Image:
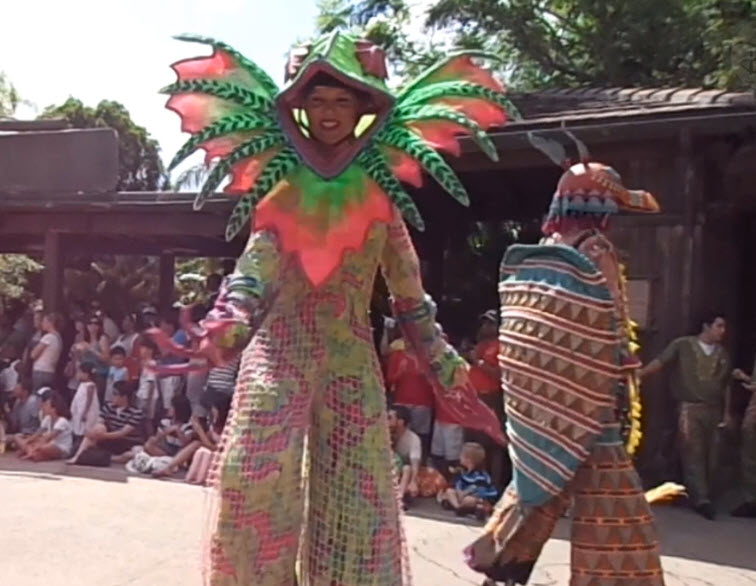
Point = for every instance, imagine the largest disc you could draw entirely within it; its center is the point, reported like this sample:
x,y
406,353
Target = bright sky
x,y
94,50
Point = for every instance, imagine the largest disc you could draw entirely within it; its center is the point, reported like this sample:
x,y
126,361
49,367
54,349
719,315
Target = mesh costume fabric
x,y
310,383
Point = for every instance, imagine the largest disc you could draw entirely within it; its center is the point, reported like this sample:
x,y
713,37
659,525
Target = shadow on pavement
x,y
11,466
684,534
727,541
428,508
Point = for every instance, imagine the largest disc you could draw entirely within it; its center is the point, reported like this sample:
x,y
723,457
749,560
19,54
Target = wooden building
x,y
58,200
696,151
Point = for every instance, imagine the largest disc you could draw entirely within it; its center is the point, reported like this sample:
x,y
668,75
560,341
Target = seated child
x,y
23,417
174,433
148,391
473,490
54,439
200,451
85,407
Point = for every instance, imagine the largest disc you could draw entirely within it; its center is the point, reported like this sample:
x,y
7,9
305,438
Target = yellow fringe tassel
x,y
633,382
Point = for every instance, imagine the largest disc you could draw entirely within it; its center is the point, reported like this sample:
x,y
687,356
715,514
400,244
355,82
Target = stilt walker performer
x,y
317,169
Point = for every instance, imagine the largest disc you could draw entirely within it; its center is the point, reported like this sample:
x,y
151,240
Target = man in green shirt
x,y
748,448
701,377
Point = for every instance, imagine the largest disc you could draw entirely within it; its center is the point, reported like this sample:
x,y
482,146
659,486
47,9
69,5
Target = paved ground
x,y
75,526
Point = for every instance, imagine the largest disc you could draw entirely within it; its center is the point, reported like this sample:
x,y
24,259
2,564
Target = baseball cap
x,y
44,393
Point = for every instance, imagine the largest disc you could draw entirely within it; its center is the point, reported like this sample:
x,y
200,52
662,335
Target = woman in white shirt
x,y
85,407
46,353
148,392
54,439
96,349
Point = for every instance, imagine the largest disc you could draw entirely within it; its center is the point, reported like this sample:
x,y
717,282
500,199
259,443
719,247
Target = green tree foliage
x,y
191,274
608,42
566,43
119,283
141,168
333,15
9,98
123,283
390,24
15,270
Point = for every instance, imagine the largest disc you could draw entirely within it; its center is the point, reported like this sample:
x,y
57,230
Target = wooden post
x,y
52,278
167,275
691,185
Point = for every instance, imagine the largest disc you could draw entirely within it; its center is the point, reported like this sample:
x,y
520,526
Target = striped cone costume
x,y
567,371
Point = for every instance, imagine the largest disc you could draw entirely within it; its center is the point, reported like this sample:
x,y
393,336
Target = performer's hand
x,y
208,350
740,375
206,347
749,386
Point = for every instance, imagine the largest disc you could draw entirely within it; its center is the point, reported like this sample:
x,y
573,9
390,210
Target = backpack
x,y
94,456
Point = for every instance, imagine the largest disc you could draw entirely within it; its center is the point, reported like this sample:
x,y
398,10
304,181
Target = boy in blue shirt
x,y
473,490
117,371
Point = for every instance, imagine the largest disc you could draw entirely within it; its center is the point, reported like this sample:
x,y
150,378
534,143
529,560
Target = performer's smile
x,y
332,112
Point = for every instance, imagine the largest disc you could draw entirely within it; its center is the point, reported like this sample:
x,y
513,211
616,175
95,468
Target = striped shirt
x,y
186,430
223,378
116,419
477,483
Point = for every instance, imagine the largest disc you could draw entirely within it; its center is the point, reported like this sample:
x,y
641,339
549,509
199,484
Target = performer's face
x,y
333,113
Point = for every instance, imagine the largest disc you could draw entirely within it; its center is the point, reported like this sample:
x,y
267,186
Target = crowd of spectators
x,y
86,388
434,455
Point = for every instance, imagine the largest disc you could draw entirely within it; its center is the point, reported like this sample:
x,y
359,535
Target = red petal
x,y
485,113
220,65
441,135
198,110
320,250
245,173
216,65
404,167
463,69
223,145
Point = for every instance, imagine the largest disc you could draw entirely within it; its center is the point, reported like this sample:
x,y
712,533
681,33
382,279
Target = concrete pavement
x,y
62,526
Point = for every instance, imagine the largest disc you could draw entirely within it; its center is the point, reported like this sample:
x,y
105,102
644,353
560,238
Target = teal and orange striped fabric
x,y
560,364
